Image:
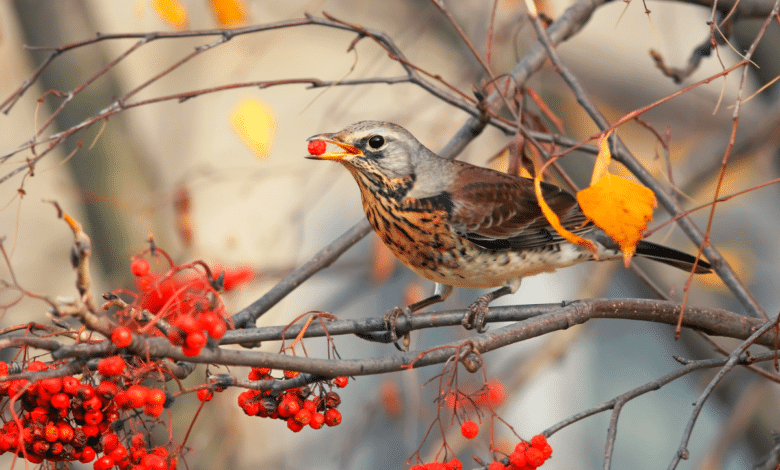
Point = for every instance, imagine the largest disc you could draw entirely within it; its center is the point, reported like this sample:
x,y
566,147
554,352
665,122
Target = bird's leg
x,y
440,293
475,316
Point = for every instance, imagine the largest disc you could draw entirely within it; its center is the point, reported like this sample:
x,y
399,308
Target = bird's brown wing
x,y
498,210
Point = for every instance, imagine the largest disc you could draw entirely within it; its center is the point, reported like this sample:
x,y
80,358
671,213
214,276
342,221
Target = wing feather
x,y
500,211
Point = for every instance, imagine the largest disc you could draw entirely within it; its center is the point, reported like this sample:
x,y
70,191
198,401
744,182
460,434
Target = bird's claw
x,y
391,320
475,317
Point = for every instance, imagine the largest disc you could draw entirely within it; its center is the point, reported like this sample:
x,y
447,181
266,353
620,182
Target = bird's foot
x,y
475,316
391,320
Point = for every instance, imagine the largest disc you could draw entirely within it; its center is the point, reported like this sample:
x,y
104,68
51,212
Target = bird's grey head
x,y
380,154
374,146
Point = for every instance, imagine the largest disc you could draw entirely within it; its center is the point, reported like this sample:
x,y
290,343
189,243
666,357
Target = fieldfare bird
x,y
466,226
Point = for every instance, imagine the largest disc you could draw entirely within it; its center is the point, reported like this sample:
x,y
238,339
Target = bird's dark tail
x,y
672,257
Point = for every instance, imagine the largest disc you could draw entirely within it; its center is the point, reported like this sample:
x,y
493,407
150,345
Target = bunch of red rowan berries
x,y
62,419
298,406
527,455
187,299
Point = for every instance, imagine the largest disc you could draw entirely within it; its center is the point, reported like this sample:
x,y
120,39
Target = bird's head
x,y
375,152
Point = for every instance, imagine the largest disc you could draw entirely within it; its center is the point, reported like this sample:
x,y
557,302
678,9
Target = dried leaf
x,y
620,207
552,217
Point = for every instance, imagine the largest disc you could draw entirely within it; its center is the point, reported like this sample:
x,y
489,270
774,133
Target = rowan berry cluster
x,y
527,456
298,406
62,419
186,299
453,464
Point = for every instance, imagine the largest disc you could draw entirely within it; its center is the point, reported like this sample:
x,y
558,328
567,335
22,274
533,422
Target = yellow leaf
x,y
603,159
229,12
620,207
171,11
552,217
254,122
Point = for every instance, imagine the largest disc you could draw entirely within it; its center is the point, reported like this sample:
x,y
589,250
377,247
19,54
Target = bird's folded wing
x,y
497,210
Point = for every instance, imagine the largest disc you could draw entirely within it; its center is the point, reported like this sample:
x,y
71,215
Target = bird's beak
x,y
334,156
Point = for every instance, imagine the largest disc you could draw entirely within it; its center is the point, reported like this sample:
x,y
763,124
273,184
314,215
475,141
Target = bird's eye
x,y
376,141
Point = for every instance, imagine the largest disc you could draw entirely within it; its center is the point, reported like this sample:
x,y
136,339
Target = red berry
x,y
317,147
205,394
140,267
252,408
317,420
156,397
110,442
103,463
469,429
90,430
154,462
64,432
288,407
51,386
121,337
310,405
496,466
93,403
111,366
455,464
137,395
70,385
87,455
496,392
37,366
303,416
534,456
518,459
107,389
538,441
294,426
187,323
93,417
51,432
332,417
118,454
291,374
122,400
153,410
86,392
341,382
237,276
60,401
196,340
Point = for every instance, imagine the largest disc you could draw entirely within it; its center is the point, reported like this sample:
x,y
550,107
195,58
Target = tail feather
x,y
672,257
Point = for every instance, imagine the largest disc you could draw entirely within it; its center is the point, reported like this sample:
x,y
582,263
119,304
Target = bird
x,y
461,225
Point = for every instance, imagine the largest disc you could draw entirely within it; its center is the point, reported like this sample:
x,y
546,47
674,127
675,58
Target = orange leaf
x,y
620,207
603,159
229,12
552,217
172,12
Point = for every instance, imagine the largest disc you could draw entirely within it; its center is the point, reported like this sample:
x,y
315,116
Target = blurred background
x,y
221,177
